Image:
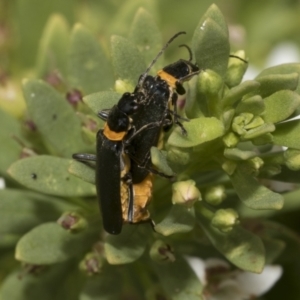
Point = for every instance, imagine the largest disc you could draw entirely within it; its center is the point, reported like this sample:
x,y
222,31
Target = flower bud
x,y
236,69
240,121
161,252
225,219
292,159
185,192
215,195
256,162
72,221
91,264
210,82
229,166
230,140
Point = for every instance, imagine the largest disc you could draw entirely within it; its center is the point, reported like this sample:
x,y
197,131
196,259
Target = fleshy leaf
x,y
252,193
102,286
127,246
258,131
238,154
159,160
89,68
199,131
102,100
241,247
30,286
254,105
273,248
52,54
128,62
210,41
146,35
288,68
49,174
282,233
179,280
54,118
22,210
235,94
287,134
49,243
215,14
10,150
179,220
82,171
270,84
280,105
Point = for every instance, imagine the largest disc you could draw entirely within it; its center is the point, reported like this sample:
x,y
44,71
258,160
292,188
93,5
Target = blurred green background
x,y
257,26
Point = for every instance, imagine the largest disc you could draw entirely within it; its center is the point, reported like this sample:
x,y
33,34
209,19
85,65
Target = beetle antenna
x,y
245,61
189,50
158,55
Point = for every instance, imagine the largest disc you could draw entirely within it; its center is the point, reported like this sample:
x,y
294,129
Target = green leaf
x,y
254,105
280,105
82,171
210,42
273,248
215,14
22,210
17,286
89,68
252,193
28,35
103,286
291,203
49,174
10,150
179,220
235,94
283,69
238,154
146,35
159,161
199,131
178,280
54,117
270,84
284,234
128,62
241,247
49,243
287,134
127,246
52,54
258,131
101,100
126,12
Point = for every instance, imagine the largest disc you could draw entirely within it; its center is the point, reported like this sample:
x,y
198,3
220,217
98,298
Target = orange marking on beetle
x,y
112,135
142,194
171,80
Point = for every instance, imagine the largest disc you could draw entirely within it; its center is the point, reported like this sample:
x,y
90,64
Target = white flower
x,y
222,283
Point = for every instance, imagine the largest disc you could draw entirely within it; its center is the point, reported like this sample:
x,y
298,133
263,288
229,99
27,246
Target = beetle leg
x,y
135,133
86,158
